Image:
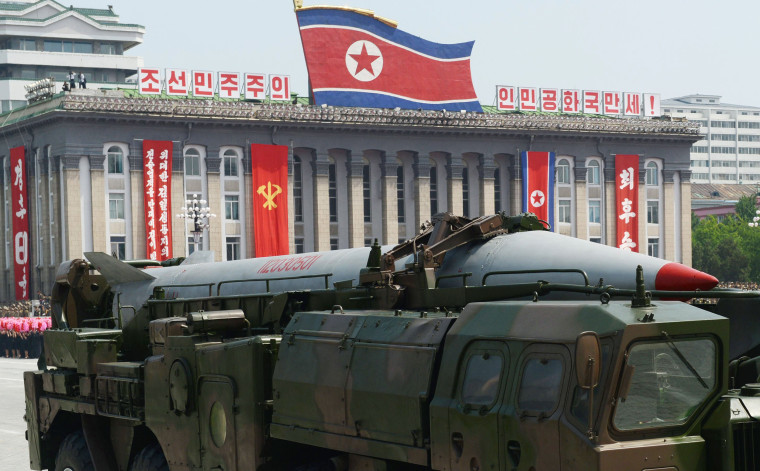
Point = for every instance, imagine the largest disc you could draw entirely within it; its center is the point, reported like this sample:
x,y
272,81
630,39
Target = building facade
x,y
729,153
355,174
42,39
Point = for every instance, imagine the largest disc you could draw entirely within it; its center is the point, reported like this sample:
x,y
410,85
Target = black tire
x,y
73,454
150,458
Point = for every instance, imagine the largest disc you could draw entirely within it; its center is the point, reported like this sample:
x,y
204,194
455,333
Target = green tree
x,y
726,249
745,208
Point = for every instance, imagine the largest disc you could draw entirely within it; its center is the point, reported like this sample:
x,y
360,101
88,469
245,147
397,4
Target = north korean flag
x,y
538,185
357,59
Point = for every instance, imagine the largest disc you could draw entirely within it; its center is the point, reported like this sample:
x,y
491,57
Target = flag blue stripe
x,y
357,20
378,100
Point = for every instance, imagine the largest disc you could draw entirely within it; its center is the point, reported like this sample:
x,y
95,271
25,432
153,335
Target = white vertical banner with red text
x,y
627,201
20,220
157,183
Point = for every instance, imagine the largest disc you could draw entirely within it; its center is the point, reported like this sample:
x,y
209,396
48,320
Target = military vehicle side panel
x,y
366,378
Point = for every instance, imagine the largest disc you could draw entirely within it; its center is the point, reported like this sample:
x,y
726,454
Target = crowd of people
x,y
21,326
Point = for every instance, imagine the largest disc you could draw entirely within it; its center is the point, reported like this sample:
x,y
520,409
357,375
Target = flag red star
x,y
364,60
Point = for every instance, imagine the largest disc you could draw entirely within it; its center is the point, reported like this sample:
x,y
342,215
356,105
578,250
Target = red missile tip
x,y
676,277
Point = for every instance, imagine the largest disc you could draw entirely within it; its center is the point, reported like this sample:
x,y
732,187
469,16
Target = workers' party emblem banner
x,y
157,184
627,201
20,219
357,59
270,199
538,185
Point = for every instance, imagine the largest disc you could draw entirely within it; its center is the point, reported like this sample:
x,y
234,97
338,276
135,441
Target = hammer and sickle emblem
x,y
267,192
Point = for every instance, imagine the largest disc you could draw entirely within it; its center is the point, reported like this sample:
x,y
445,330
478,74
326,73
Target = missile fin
x,y
199,256
114,270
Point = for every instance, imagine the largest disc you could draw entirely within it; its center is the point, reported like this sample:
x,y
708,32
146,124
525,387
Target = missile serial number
x,y
289,264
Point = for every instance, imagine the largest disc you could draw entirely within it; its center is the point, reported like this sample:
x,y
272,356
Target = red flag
x,y
627,200
157,187
270,199
20,219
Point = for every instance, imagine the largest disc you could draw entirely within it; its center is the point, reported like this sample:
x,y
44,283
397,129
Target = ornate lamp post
x,y
755,219
199,214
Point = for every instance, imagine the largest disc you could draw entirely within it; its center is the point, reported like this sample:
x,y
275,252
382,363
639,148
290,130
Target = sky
x,y
669,47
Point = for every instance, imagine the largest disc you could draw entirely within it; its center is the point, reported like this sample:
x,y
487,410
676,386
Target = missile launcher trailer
x,y
393,372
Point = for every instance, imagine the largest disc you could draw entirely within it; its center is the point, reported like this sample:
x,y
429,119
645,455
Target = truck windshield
x,y
671,378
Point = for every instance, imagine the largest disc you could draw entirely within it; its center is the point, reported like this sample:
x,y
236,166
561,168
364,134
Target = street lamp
x,y
198,213
755,219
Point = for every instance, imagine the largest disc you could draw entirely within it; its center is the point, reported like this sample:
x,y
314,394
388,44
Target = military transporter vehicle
x,y
396,373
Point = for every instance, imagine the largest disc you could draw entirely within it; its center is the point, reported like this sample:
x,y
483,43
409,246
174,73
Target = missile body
x,y
534,250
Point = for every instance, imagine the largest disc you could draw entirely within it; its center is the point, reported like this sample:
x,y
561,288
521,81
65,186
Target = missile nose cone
x,y
676,277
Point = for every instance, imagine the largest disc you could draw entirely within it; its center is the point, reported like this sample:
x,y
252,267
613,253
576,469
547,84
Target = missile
x,y
520,257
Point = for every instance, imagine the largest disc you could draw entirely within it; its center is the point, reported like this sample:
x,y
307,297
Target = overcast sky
x,y
669,47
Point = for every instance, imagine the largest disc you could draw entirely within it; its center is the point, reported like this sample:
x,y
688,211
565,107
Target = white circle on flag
x,y
537,198
364,61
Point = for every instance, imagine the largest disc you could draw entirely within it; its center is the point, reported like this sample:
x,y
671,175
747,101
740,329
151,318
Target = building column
x,y
98,205
320,178
216,241
388,167
72,212
685,189
355,182
668,218
291,202
641,213
610,206
581,201
454,168
137,197
515,184
178,225
486,170
421,168
43,191
4,272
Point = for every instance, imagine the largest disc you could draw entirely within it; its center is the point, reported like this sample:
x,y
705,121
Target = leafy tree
x,y
745,208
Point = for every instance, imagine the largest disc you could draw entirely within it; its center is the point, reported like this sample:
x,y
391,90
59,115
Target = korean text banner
x,y
20,219
270,199
355,59
157,184
627,201
538,185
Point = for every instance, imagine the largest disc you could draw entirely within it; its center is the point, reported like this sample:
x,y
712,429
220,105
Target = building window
x,y
332,191
563,172
115,160
368,241
230,163
722,150
192,162
652,178
465,192
231,208
564,210
297,189
106,48
497,190
653,247
699,149
592,172
298,242
433,189
233,248
119,247
192,246
116,205
596,240
594,211
333,243
653,212
400,192
366,193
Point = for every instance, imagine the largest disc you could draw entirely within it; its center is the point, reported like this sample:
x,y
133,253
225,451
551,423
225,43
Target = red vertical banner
x,y
270,199
627,201
538,185
20,223
157,184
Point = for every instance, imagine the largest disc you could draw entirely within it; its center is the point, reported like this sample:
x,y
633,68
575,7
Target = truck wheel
x,y
150,458
73,454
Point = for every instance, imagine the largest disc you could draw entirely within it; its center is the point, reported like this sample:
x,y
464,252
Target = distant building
x,y
40,39
730,150
719,200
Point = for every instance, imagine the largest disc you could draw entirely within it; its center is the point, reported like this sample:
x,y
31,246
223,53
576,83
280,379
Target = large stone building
x,y
355,174
41,39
